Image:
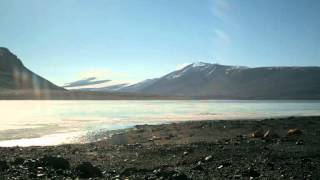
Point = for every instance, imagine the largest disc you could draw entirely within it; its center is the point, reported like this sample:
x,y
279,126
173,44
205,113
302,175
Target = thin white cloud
x,y
222,43
222,37
221,9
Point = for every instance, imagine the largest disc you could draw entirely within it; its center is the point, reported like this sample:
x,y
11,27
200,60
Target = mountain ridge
x,y
198,80
205,80
15,76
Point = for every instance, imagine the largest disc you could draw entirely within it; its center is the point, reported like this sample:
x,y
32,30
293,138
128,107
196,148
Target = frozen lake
x,y
26,123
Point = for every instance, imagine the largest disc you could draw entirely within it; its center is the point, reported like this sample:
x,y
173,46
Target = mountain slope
x,y
138,86
204,80
15,76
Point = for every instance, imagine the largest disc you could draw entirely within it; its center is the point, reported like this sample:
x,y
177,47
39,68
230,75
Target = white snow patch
x,y
236,68
212,70
199,64
174,76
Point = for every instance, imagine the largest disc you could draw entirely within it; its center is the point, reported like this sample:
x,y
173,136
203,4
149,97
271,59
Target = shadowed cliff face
x,y
8,61
15,76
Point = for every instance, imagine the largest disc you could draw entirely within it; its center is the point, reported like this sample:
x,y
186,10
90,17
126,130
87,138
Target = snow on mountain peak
x,y
180,72
199,64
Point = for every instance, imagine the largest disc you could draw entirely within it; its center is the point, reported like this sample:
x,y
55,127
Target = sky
x,y
133,40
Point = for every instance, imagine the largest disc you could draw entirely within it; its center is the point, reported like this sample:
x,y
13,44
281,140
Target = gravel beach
x,y
281,148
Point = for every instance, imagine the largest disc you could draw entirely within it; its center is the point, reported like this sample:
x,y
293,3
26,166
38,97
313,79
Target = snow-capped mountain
x,y
204,69
205,80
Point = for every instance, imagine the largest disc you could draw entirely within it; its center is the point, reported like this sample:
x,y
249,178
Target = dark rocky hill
x,y
207,81
15,76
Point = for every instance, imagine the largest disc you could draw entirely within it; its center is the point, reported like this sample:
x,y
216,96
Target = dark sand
x,y
190,150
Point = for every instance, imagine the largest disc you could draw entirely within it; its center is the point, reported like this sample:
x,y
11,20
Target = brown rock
x,y
257,134
295,131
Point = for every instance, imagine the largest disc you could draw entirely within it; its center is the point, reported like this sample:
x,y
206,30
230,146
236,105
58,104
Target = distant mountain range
x,y
197,81
214,81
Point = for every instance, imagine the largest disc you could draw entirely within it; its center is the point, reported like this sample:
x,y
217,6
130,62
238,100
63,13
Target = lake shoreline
x,y
224,149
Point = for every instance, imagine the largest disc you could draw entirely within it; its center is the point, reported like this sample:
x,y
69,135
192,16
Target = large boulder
x,y
87,170
55,162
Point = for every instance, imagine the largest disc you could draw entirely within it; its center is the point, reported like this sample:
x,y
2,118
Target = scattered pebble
x,y
251,172
299,142
208,158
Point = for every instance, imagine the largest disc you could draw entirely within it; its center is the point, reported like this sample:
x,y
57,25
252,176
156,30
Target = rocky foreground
x,y
284,148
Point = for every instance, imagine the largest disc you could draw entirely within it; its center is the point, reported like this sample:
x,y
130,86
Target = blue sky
x,y
131,40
